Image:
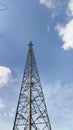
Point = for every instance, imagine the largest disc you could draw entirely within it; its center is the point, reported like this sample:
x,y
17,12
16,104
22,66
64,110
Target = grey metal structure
x,y
31,113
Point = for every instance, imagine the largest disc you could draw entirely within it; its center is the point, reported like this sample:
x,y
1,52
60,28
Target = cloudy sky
x,y
49,24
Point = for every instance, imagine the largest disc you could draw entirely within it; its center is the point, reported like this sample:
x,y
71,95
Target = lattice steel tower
x,y
31,113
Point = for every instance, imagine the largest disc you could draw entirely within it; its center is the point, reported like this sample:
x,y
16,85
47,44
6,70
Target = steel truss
x,y
31,113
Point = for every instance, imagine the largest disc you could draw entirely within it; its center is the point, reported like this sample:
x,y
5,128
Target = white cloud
x,y
52,6
66,34
9,114
59,100
70,8
48,3
5,73
55,6
1,104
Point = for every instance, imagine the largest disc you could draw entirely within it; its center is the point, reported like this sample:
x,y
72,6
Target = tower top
x,y
30,44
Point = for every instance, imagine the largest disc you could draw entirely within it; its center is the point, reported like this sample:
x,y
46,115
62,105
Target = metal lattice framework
x,y
31,113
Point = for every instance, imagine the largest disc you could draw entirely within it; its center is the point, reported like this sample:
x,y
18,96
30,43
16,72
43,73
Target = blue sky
x,y
49,24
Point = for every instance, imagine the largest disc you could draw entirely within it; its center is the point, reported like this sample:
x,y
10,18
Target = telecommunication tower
x,y
31,112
